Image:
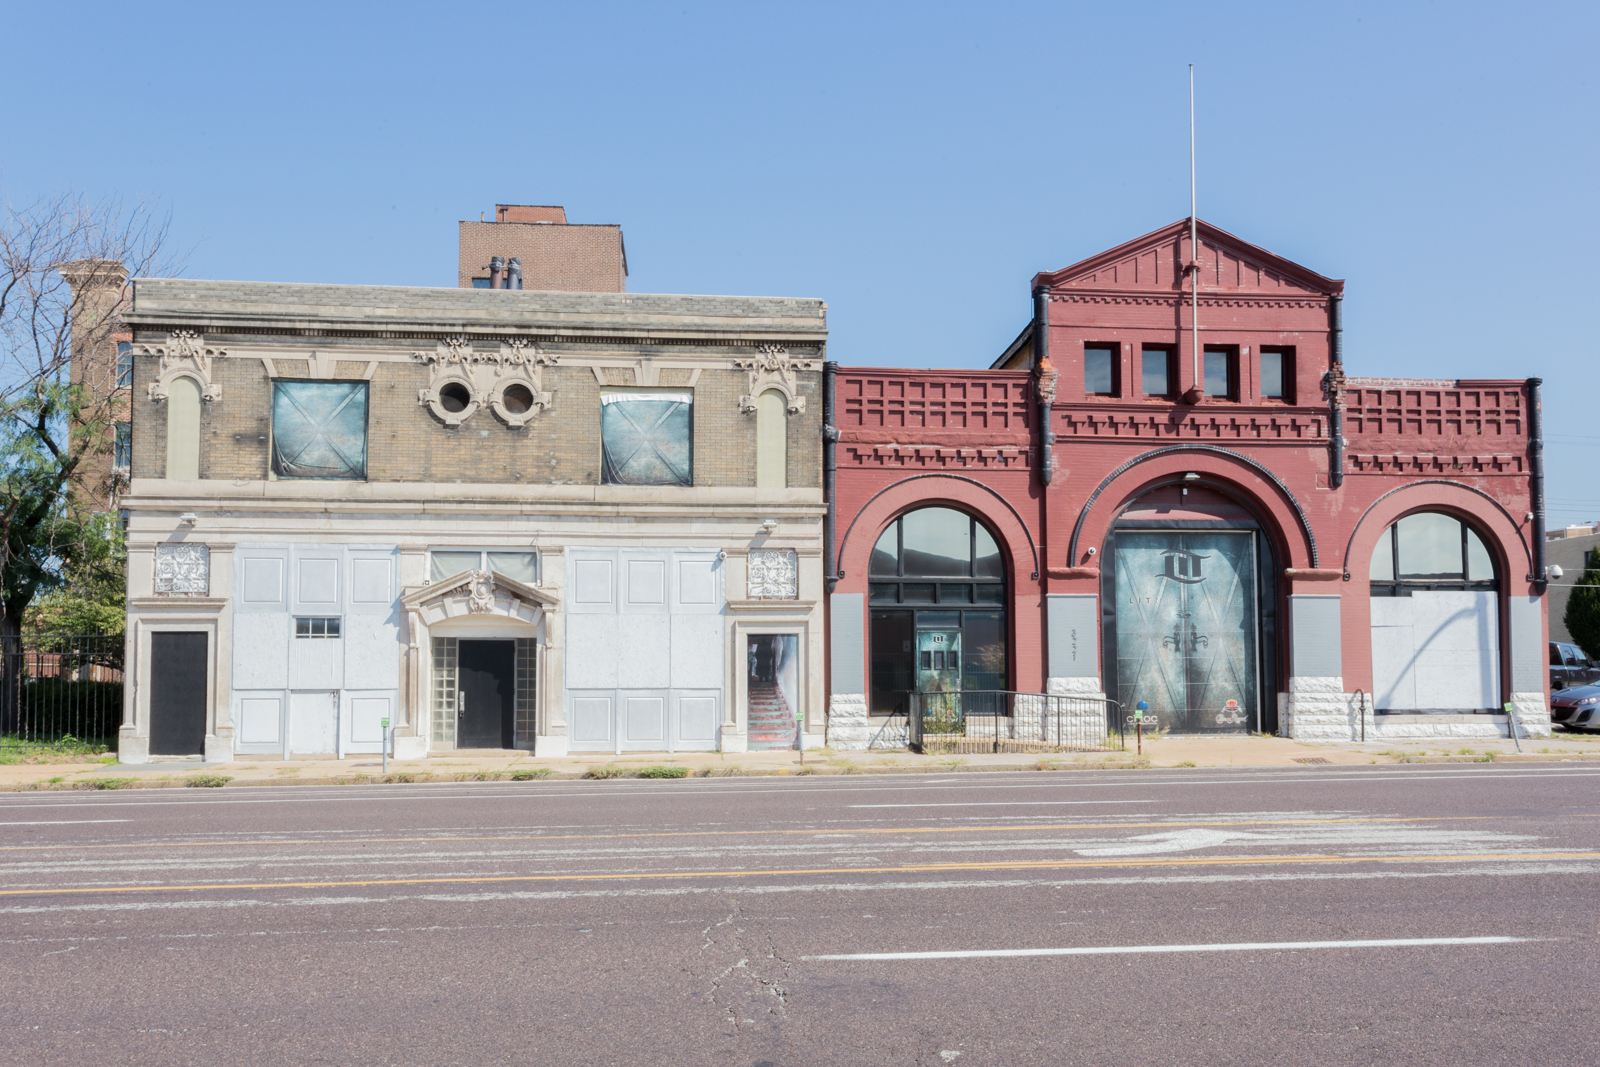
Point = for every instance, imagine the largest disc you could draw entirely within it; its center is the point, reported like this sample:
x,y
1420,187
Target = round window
x,y
454,398
518,399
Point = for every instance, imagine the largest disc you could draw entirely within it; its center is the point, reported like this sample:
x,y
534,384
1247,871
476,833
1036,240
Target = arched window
x,y
772,441
937,593
183,429
1435,618
1430,551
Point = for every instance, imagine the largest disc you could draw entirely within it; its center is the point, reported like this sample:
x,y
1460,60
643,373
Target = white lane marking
x,y
1168,841
998,803
1121,950
61,822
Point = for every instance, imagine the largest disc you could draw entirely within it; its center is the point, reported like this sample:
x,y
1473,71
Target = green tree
x,y
1583,606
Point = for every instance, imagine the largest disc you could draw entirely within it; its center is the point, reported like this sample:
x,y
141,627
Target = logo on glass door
x,y
1183,566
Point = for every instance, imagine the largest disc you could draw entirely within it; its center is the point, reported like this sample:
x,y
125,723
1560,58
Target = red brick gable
x,y
1155,262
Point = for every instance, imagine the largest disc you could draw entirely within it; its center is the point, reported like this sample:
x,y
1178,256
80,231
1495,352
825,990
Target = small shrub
x,y
478,776
664,772
604,771
108,783
207,781
806,770
1187,763
398,779
528,774
1487,757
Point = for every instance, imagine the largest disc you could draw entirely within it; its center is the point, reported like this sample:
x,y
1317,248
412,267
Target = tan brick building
x,y
544,249
545,520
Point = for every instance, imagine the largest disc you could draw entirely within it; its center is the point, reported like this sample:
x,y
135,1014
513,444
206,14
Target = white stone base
x,y
410,748
219,747
545,747
850,728
1533,714
132,749
735,743
810,741
1318,709
1080,722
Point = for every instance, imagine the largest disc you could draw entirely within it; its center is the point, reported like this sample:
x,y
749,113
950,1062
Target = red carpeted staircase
x,y
772,723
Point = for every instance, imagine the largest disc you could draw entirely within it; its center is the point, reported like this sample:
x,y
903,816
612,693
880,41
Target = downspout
x,y
830,438
1045,380
1536,494
1336,390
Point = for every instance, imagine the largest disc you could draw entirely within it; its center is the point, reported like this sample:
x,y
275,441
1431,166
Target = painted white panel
x,y
1463,621
366,720
647,584
370,581
589,718
1394,679
697,720
644,643
697,582
593,584
319,581
261,648
314,663
644,718
261,721
313,723
263,581
697,642
1436,651
592,651
371,650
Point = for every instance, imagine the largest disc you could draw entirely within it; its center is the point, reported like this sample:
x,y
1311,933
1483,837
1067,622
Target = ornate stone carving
x,y
183,570
776,369
508,380
184,356
480,595
773,574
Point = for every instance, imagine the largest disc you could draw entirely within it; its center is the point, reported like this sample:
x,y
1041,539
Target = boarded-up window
x,y
646,437
319,429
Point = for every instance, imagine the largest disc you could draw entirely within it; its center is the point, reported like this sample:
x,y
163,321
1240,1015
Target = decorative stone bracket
x,y
509,380
479,593
184,356
776,369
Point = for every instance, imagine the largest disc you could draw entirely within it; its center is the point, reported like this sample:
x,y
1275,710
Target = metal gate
x,y
996,720
55,686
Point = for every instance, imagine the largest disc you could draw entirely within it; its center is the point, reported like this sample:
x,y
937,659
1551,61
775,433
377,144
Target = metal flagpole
x,y
1194,250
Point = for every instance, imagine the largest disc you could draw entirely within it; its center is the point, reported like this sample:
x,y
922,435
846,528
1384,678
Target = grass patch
x,y
606,770
530,774
69,749
207,781
663,772
1487,757
398,778
478,776
1188,762
806,770
108,783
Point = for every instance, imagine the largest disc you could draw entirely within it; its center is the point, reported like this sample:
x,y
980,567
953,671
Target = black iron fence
x,y
56,686
999,720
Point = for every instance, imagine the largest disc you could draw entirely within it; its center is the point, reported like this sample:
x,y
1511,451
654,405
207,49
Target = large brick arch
x,y
1234,473
939,490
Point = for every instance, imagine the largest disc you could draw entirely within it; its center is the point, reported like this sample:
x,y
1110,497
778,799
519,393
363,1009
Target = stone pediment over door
x,y
1155,264
479,593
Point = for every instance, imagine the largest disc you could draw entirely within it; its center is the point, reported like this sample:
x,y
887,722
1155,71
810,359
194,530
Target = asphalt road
x,y
1145,918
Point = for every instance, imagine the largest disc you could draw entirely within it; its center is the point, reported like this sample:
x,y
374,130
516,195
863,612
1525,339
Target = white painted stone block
x,y
849,726
415,748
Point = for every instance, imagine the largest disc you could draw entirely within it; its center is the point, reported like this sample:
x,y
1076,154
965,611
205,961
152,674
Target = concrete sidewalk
x,y
1160,752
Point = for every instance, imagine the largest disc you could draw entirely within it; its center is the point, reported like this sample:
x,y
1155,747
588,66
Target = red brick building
x,y
1192,529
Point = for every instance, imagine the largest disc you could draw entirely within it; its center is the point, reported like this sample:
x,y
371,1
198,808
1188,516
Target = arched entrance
x,y
937,603
1189,609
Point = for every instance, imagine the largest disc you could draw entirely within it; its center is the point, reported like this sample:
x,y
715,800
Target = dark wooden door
x,y
177,693
488,673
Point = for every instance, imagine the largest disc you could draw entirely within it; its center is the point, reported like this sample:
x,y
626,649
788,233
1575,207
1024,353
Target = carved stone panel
x,y
509,381
776,369
773,574
184,356
183,570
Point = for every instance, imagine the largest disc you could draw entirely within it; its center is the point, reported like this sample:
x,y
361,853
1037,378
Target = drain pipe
x,y
830,438
1336,389
1046,385
1536,495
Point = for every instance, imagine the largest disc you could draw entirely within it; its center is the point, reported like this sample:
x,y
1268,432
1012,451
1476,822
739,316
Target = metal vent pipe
x,y
514,273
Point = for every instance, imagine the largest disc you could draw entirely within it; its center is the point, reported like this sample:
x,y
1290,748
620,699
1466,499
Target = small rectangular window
x,y
518,566
646,437
480,283
1100,370
1155,371
1277,373
319,429
1220,376
316,626
448,562
122,446
124,364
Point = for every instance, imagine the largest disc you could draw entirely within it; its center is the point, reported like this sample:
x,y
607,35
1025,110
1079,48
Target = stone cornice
x,y
1175,298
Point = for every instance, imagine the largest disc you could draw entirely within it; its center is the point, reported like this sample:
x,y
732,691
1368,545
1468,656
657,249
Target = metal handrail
x,y
962,709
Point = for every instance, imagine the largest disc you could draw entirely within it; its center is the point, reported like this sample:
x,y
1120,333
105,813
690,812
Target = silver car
x,y
1576,707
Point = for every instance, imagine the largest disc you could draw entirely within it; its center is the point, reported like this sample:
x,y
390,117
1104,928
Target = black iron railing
x,y
59,686
972,719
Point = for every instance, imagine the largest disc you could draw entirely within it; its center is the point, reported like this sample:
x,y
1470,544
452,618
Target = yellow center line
x,y
754,833
927,868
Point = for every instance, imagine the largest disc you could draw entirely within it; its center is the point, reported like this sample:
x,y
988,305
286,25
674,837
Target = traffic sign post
x,y
1511,724
385,724
1141,718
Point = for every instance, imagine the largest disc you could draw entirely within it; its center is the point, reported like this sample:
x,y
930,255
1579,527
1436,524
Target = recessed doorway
x,y
486,694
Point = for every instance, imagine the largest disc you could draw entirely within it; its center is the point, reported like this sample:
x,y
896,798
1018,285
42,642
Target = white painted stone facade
x,y
1319,710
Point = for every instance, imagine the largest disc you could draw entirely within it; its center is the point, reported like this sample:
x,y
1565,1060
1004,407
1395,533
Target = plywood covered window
x,y
319,429
772,441
646,437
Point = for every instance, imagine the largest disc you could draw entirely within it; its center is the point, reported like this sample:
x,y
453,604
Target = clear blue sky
x,y
913,165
